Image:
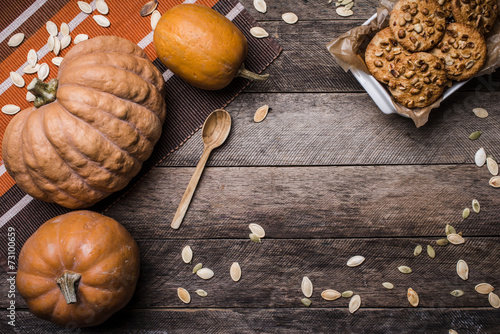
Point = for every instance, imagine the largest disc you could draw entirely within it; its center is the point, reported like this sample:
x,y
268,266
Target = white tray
x,y
380,95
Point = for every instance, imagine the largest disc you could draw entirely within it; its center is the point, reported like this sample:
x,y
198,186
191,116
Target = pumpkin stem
x,y
244,73
68,285
45,92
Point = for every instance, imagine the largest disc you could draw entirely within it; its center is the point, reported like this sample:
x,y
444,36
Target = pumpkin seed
x,y
16,39
258,32
475,135
57,61
257,230
261,114
417,250
57,46
85,7
235,271
32,58
148,8
65,41
412,297
462,270
457,293
354,303
492,166
452,331
344,12
449,229
51,28
10,109
388,285
347,294
102,7
480,112
101,20
30,97
205,273
79,38
260,6
64,29
442,242
201,293
495,181
494,300
355,261
31,70
50,43
187,254
307,286
405,269
254,238
184,295
465,213
455,239
349,5
155,17
475,206
484,288
17,79
480,157
306,301
331,294
431,252
197,267
290,18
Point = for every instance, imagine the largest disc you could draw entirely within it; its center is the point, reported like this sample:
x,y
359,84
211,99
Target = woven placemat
x,y
187,107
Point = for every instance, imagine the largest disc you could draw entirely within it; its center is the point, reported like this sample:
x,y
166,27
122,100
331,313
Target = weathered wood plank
x,y
319,320
347,129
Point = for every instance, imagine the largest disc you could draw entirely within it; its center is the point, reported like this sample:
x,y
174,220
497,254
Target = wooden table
x,y
328,176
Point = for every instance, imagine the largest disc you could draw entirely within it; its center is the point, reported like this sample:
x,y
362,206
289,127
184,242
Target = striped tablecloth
x,y
187,107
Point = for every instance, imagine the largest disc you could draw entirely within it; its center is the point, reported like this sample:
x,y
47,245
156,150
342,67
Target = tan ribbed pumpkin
x,y
98,122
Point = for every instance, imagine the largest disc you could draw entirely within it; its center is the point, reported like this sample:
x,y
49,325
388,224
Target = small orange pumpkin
x,y
202,47
78,269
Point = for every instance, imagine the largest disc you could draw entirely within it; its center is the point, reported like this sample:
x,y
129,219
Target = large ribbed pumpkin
x,y
93,138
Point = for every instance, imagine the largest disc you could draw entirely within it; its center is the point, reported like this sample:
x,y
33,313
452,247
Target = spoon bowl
x,y
216,128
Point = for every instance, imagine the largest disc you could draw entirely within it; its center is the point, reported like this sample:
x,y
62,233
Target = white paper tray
x,y
379,94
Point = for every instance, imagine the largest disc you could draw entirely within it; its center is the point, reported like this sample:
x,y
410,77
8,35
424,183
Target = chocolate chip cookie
x,y
418,25
480,14
463,51
446,6
382,54
418,80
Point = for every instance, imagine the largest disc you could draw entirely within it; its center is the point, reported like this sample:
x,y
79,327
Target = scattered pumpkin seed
x,y
51,28
307,286
449,229
290,18
405,269
79,38
148,7
32,58
84,7
457,293
257,230
347,294
155,17
57,61
331,294
261,114
235,271
355,261
452,331
10,109
102,21
442,242
492,166
184,295
50,43
30,97
187,254
484,288
306,301
480,112
388,285
354,303
480,157
475,206
64,29
455,239
475,135
201,293
102,7
31,70
344,12
65,41
205,273
43,71
465,213
17,79
463,270
412,297
431,252
197,267
254,238
259,32
494,300
349,5
260,6
16,40
495,182
417,250
57,46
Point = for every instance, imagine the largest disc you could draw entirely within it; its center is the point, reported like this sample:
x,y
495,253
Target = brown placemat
x,y
187,107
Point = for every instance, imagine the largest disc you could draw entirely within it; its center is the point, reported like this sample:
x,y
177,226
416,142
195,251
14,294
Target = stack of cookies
x,y
427,44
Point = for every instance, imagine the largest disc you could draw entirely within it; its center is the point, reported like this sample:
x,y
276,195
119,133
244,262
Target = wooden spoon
x,y
215,131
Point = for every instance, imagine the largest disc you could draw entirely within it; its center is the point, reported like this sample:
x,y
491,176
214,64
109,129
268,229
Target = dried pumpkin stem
x,y
244,73
68,285
45,92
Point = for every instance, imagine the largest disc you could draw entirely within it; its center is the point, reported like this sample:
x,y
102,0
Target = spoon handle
x,y
188,194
